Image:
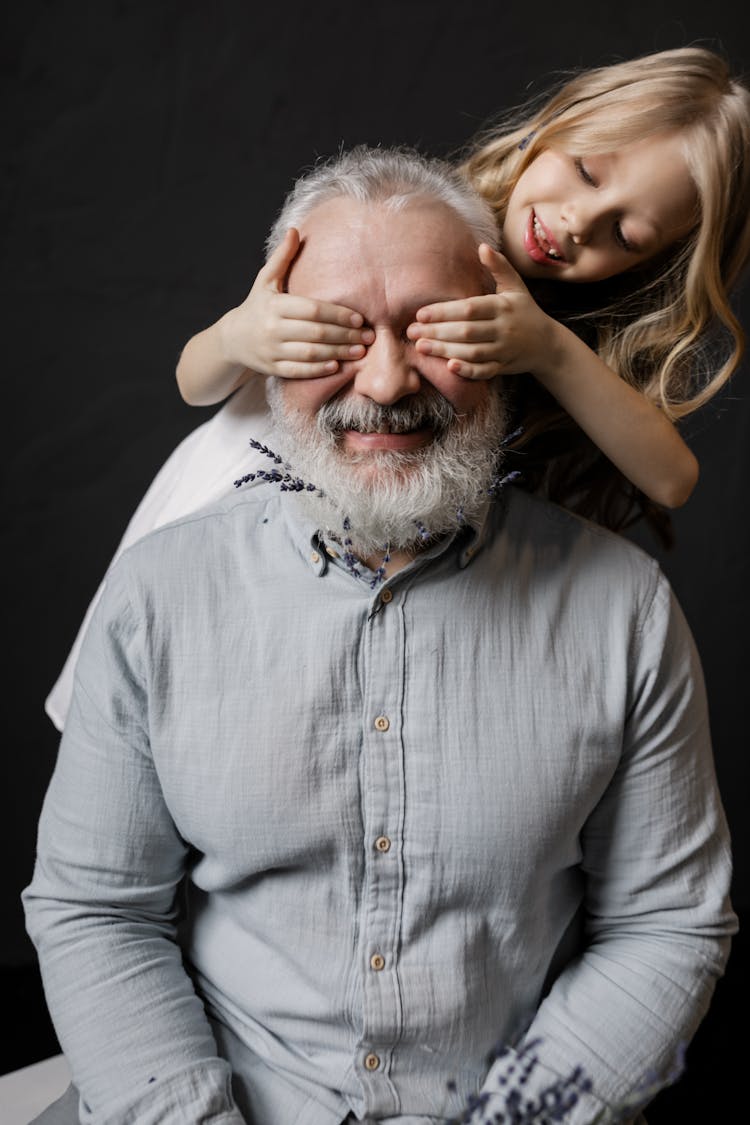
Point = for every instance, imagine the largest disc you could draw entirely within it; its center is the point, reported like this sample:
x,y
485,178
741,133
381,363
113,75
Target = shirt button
x,y
377,962
315,558
383,844
386,596
382,723
372,1062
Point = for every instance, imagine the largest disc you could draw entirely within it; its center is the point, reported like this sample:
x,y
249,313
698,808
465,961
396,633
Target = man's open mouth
x,y
387,439
388,428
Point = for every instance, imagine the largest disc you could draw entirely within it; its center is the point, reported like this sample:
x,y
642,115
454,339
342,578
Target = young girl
x,y
629,294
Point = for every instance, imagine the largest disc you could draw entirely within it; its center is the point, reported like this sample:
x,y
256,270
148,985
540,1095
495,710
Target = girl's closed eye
x,y
585,173
623,241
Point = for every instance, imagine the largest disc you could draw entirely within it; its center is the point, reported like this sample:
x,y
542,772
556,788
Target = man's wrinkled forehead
x,y
356,252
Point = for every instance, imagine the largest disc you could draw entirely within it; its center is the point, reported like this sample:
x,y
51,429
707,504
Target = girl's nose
x,y
580,222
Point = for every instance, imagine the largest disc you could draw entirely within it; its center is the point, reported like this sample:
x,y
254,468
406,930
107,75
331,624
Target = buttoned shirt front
x,y
344,841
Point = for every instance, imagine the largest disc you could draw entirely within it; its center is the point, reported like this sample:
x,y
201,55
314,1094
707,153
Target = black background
x,y
146,149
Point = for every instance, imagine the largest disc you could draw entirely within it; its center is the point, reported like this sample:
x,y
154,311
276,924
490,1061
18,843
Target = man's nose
x,y
386,373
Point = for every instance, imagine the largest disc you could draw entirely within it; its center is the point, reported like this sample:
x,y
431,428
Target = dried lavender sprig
x,y
556,1101
289,483
511,437
268,452
286,482
350,559
294,484
552,1105
379,574
261,474
498,482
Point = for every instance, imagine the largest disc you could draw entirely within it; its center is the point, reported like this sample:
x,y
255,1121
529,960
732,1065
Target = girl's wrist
x,y
226,338
555,355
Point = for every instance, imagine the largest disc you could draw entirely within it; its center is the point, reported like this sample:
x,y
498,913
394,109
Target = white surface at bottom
x,y
25,1093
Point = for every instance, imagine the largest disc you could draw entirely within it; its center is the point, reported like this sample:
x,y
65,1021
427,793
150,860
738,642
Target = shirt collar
x,y
319,551
475,535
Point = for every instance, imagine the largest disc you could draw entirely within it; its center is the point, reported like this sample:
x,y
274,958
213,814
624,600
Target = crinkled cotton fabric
x,y
313,848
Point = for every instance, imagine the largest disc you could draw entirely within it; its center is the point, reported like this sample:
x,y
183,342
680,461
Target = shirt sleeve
x,y
658,922
102,906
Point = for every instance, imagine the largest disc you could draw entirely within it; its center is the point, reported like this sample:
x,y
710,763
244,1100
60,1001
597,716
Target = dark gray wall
x,y
147,148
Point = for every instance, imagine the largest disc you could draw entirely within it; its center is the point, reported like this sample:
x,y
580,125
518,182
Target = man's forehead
x,y
349,248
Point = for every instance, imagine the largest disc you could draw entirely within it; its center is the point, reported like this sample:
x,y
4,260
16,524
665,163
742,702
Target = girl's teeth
x,y
542,240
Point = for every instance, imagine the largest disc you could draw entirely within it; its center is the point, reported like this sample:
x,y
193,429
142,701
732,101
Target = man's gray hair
x,y
392,177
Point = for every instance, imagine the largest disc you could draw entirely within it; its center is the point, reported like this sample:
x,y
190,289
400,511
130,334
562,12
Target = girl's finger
x,y
300,351
307,308
472,353
286,369
274,271
474,370
460,331
470,308
504,276
317,332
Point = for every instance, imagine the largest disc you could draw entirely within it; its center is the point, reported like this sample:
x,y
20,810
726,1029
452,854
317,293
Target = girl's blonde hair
x,y
667,327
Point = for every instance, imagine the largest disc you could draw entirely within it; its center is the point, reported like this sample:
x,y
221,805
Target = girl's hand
x,y
501,333
275,333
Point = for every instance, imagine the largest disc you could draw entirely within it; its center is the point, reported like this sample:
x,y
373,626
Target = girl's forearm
x,y
629,429
205,373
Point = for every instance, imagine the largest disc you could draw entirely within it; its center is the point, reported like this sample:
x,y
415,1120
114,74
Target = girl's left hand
x,y
500,333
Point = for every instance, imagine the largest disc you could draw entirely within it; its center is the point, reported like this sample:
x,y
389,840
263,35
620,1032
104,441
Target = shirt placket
x,y
382,773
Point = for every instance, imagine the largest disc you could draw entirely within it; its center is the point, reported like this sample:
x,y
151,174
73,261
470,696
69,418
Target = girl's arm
x,y
628,428
507,333
271,333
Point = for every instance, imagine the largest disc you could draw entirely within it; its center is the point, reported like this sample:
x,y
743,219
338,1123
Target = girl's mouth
x,y
539,243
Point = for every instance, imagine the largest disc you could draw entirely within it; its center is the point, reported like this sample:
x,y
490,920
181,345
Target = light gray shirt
x,y
338,843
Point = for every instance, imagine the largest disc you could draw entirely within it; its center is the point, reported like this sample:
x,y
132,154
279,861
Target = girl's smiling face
x,y
588,218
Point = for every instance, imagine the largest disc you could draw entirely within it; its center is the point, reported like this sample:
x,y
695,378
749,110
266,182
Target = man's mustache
x,y
426,410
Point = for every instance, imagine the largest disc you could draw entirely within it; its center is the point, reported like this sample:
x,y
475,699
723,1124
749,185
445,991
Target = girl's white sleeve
x,y
201,469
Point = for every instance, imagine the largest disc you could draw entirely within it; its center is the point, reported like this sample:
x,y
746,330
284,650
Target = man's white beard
x,y
398,498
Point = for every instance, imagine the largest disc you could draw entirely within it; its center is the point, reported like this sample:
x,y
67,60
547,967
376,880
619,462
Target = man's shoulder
x,y
545,518
246,506
224,526
546,531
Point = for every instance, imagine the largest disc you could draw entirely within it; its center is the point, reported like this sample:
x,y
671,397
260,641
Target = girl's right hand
x,y
275,333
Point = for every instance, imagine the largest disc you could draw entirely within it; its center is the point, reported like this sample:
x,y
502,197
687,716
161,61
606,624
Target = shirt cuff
x,y
200,1094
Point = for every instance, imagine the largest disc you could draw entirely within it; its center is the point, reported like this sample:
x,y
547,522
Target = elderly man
x,y
376,765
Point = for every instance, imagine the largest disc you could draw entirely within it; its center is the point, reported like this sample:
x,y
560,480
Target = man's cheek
x,y
464,395
308,395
